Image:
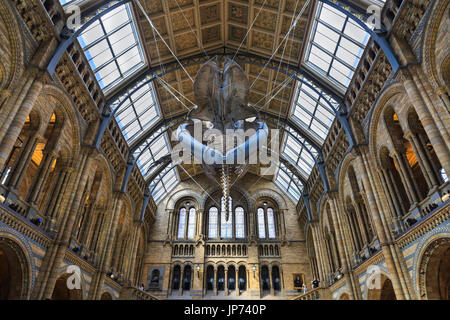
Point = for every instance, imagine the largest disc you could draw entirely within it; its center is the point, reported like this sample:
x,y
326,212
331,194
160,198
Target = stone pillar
x,y
107,251
215,281
180,289
22,162
13,100
424,163
342,245
381,226
55,254
236,281
41,177
13,131
55,197
272,291
226,280
440,142
406,177
393,194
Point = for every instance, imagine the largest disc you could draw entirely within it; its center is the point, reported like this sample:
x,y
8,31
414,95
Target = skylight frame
x,y
168,179
309,110
288,182
151,151
113,59
342,35
152,110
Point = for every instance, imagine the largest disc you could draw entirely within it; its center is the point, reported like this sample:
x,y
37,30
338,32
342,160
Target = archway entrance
x,y
13,271
106,296
434,271
62,292
384,292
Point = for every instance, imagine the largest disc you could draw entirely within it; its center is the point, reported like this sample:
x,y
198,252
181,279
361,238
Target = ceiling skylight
x,y
155,147
166,181
138,113
336,45
312,112
112,47
288,182
297,154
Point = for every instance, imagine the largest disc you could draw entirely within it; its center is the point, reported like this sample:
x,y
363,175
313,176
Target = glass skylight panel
x,y
112,47
336,45
152,150
138,112
297,154
288,182
166,181
312,112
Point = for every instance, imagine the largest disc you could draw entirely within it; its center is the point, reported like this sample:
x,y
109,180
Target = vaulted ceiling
x,y
193,27
168,40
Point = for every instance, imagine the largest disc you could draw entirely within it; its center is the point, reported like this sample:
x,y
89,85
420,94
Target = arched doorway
x,y
242,278
434,271
276,278
62,291
385,290
210,278
220,278
106,296
265,280
231,278
176,277
187,276
344,296
14,271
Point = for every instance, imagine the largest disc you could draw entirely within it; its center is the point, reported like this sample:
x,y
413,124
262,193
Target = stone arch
x,y
246,196
385,290
106,295
344,296
16,44
177,196
425,261
68,110
62,292
389,93
272,194
431,63
16,266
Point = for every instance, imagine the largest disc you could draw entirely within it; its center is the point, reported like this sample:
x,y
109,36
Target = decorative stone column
x,y
215,281
440,142
272,291
55,254
23,162
375,204
180,289
20,117
236,281
226,280
42,176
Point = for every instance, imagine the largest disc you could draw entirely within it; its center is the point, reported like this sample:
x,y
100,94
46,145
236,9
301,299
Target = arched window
x,y
266,221
212,222
270,223
191,224
226,226
261,223
240,223
181,223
